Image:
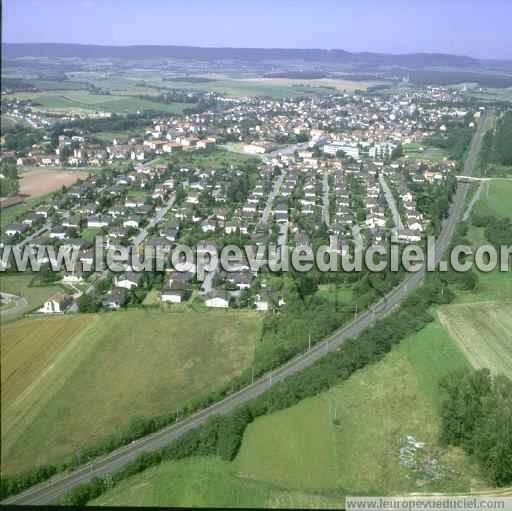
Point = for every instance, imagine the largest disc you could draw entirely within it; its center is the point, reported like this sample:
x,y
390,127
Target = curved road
x,y
51,490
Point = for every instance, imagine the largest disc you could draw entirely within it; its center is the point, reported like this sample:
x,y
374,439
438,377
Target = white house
x,y
56,304
217,298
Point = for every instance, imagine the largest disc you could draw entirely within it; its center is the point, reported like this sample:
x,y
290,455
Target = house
x,y
173,292
16,228
208,225
241,279
73,277
44,211
129,280
266,300
115,299
217,298
31,219
408,236
99,221
133,221
56,304
58,232
72,222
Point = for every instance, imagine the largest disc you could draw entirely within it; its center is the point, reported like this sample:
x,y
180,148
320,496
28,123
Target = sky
x,y
476,28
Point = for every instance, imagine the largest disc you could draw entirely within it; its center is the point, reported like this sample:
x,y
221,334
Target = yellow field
x,y
484,333
71,381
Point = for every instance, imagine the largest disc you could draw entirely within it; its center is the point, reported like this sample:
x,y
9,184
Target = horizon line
x,y
362,52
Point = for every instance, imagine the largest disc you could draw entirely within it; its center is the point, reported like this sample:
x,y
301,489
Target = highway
x,y
47,492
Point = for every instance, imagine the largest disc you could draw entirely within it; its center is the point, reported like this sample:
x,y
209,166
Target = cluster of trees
x,y
433,200
477,415
497,230
113,124
455,142
20,138
496,152
502,147
9,180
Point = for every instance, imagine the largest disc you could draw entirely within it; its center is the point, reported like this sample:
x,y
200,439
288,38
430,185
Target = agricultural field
x,y
344,441
83,100
416,151
207,482
338,84
35,183
495,199
118,365
484,333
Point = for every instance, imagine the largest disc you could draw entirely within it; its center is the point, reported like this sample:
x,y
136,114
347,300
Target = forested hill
x,y
414,60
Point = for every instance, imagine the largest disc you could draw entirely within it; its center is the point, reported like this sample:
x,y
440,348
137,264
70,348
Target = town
x,y
310,169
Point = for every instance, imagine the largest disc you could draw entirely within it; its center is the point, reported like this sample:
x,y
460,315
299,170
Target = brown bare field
x,y
35,183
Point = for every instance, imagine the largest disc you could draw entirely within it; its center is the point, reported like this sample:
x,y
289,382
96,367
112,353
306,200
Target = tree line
x,y
477,416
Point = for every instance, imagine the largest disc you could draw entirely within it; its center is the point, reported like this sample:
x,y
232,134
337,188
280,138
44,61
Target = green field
x,y
434,154
484,333
19,284
117,366
495,199
83,100
89,233
8,215
144,82
344,441
207,482
330,293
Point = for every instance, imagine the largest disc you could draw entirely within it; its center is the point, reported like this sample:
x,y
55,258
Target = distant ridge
x,y
413,60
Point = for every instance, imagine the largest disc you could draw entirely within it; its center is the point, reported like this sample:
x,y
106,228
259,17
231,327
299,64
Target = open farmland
x,y
341,442
484,333
62,101
207,482
338,84
112,368
495,199
349,437
35,183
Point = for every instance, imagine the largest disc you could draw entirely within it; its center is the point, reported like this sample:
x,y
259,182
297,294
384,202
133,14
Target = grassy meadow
x,y
83,100
108,369
20,285
495,199
484,333
343,441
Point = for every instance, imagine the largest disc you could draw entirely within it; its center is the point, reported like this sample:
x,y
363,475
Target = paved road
x,y
20,305
273,194
142,235
34,235
51,490
391,203
357,237
325,199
